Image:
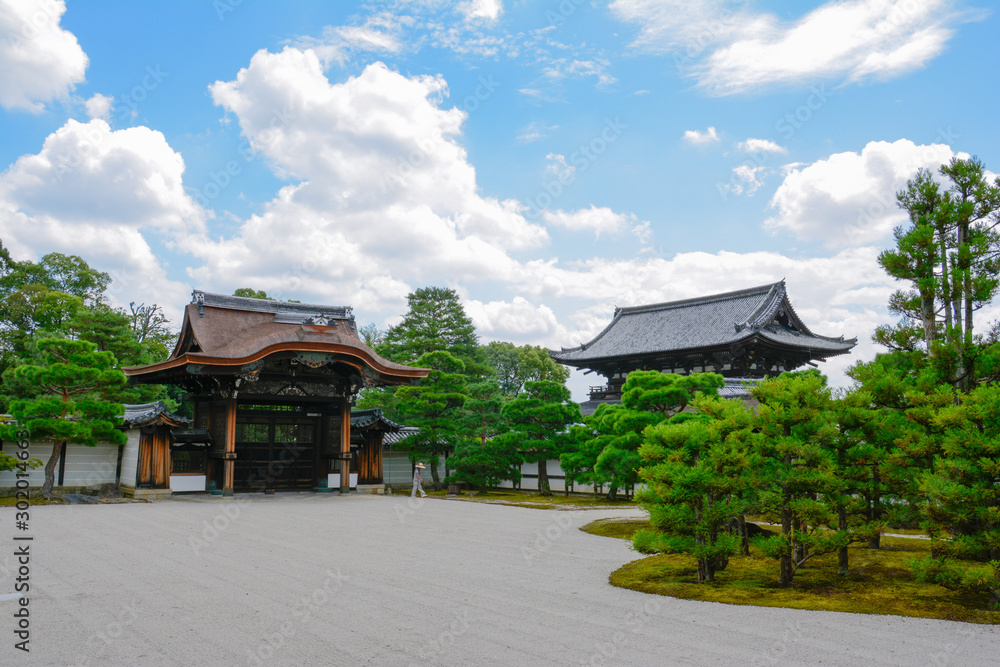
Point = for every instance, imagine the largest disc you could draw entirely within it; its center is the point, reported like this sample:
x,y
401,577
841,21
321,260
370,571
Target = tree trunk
x,y
875,514
842,562
741,522
50,469
785,576
436,479
543,477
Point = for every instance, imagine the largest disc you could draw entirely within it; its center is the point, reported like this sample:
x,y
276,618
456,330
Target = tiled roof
x,y
141,414
711,321
363,419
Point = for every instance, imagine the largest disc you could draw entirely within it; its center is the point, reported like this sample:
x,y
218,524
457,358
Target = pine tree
x,y
794,471
539,418
434,406
695,470
71,383
435,321
962,509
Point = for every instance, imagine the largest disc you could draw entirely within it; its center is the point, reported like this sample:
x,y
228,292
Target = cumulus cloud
x,y
88,173
99,106
850,198
39,61
384,196
599,220
696,137
98,193
732,51
516,320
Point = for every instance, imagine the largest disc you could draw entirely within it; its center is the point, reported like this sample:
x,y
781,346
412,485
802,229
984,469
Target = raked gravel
x,y
316,579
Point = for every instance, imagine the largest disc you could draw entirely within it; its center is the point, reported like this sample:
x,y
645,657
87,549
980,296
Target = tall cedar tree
x,y
608,452
794,470
962,508
434,406
695,470
539,418
72,382
435,321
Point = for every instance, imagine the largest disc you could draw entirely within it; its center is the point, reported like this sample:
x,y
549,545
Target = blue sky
x,y
549,160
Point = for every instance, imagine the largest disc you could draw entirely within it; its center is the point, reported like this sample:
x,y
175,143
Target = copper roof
x,y
228,332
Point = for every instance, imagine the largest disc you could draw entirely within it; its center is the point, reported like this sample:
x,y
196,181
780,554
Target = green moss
x,y
879,582
535,500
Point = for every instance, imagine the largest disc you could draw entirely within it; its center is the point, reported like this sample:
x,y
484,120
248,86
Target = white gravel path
x,y
305,579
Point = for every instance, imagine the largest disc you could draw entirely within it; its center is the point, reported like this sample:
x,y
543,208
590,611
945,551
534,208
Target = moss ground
x,y
879,582
557,500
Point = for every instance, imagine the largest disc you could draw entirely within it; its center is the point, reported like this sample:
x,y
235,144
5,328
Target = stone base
x,y
146,494
371,488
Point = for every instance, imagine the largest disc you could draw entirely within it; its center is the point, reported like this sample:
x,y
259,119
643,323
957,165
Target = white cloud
x,y
534,131
384,195
88,173
101,194
481,9
568,68
850,198
599,220
698,137
760,146
559,167
99,106
737,51
39,61
516,320
747,178
379,34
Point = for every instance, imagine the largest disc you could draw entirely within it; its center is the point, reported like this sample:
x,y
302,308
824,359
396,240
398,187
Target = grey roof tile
x,y
711,321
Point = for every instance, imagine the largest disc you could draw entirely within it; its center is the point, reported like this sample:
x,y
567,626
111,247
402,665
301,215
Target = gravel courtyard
x,y
308,579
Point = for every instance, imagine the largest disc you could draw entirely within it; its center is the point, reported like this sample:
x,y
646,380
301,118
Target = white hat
x,y
421,465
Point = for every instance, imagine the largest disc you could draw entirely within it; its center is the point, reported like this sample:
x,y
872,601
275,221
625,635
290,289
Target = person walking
x,y
418,481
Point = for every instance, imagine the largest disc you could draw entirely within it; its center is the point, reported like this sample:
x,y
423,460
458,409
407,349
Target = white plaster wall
x,y
180,483
85,466
90,466
130,459
36,450
396,468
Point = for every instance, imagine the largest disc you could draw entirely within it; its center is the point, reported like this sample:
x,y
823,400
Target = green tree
x,y
950,255
516,365
434,406
435,321
151,327
696,475
71,384
794,470
371,335
610,454
962,509
539,418
486,464
251,293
